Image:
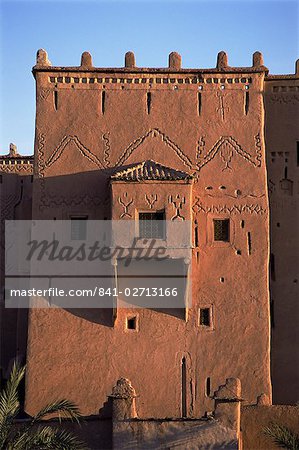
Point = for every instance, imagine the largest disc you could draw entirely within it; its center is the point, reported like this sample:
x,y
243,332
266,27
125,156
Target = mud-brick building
x,y
186,144
16,180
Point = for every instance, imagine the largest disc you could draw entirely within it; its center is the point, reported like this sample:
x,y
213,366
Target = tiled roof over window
x,y
150,170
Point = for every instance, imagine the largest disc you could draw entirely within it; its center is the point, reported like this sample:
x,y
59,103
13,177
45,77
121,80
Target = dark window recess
x,y
272,267
246,102
196,233
1,179
131,323
297,153
103,101
249,245
221,230
199,103
208,387
286,173
205,317
78,228
55,100
148,102
152,225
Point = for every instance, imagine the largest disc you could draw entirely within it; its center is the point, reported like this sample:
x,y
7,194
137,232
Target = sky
x,y
197,29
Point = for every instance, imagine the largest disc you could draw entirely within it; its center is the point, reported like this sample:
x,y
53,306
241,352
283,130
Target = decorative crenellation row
x,y
14,162
148,80
14,158
174,61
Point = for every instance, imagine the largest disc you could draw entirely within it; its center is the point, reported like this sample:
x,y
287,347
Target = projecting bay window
x,y
152,225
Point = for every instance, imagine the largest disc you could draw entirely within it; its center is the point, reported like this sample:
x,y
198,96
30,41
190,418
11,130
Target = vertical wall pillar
x,y
228,404
123,410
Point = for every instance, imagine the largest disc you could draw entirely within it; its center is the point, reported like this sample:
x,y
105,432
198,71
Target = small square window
x,y
132,323
78,228
152,225
221,230
205,317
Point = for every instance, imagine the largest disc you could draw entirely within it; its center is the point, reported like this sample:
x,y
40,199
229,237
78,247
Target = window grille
x,y
221,230
78,228
152,225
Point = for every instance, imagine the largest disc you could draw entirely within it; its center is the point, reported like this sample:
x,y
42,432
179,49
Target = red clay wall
x,y
80,137
282,142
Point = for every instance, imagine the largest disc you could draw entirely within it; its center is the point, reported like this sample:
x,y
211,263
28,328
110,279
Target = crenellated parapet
x,y
174,64
13,162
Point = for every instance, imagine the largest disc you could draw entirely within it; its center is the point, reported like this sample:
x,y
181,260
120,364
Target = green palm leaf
x,y
9,402
32,436
46,437
282,436
65,409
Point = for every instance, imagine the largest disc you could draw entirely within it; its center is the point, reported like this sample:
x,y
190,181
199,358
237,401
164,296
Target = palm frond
x,y
65,409
46,437
282,436
31,435
9,402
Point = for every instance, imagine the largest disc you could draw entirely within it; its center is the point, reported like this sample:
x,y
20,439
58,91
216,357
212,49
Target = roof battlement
x,y
174,65
13,158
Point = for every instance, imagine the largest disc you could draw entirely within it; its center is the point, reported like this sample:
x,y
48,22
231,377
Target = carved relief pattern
x,y
151,199
107,148
125,202
258,147
41,137
226,153
252,208
83,150
227,146
44,93
200,147
16,168
221,109
177,201
155,132
287,98
74,200
46,198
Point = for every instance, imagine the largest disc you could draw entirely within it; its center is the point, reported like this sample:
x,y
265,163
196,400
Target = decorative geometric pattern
x,y
226,146
83,150
153,133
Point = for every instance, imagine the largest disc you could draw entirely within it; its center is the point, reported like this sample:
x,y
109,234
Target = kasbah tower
x,y
200,145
